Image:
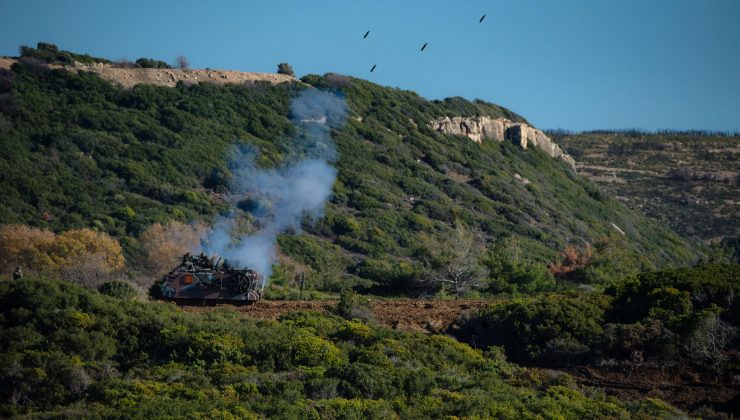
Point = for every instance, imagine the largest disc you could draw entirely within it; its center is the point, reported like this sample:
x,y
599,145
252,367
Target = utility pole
x,y
303,278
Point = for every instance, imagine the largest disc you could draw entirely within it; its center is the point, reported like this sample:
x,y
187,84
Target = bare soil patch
x,y
415,315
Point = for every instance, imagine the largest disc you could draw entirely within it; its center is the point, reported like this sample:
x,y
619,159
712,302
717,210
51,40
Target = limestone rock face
x,y
501,129
476,128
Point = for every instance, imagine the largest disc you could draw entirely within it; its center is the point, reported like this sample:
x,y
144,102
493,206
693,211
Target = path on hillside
x,y
416,315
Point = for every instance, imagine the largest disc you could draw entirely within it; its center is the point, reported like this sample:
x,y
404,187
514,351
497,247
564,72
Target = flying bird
x,y
481,19
374,65
424,46
366,34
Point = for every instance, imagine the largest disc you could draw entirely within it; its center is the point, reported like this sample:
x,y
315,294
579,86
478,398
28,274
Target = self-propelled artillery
x,y
203,280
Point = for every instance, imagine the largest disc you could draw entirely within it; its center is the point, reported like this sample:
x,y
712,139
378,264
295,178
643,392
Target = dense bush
x,y
118,289
285,68
149,63
67,351
554,329
671,316
50,53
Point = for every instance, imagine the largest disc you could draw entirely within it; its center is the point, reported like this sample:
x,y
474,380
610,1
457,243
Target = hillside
x,y
79,151
689,181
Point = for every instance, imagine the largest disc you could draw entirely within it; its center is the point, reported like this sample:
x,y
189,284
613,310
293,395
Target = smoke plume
x,y
282,198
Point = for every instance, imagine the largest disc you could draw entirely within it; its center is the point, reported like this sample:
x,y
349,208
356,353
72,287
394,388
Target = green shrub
x,y
548,329
353,306
118,289
285,68
149,63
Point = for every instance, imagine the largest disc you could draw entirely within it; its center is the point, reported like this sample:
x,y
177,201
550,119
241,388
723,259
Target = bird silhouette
x,y
374,65
366,34
424,46
481,18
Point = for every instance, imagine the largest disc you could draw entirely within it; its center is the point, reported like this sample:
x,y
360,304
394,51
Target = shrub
x,y
548,329
353,306
310,350
118,289
285,68
149,63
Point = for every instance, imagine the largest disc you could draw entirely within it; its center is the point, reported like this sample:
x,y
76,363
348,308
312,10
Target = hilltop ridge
x,y
130,77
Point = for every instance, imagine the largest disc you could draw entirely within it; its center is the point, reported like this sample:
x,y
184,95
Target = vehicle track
x,y
415,315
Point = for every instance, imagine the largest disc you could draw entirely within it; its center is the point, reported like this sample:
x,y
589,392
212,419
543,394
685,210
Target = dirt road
x,y
418,315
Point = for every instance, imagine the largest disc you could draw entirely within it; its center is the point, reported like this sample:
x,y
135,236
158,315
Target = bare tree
x,y
708,341
90,271
182,62
453,263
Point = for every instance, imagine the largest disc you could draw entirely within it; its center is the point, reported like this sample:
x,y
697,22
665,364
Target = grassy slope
x,y
78,151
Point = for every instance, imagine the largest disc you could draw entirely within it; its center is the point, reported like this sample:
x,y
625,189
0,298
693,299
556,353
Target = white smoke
x,y
283,197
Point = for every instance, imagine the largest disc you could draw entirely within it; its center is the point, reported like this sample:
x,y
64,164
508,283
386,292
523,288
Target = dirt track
x,y
419,315
683,386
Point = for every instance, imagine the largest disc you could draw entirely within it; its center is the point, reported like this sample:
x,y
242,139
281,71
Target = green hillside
x,y
78,151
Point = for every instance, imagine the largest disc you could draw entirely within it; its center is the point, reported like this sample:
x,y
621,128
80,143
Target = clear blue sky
x,y
576,64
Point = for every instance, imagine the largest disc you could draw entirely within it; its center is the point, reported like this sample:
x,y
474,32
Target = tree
x,y
708,340
81,256
453,263
164,244
285,68
25,246
182,63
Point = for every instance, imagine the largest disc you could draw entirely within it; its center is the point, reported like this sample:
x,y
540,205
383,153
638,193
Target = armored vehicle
x,y
199,280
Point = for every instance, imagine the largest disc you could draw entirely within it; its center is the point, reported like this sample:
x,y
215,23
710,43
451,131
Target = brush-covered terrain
x,y
72,353
79,151
104,188
688,180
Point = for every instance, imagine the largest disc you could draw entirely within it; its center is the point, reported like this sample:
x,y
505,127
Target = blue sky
x,y
575,64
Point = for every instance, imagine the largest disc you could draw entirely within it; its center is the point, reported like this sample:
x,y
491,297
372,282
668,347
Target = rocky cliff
x,y
500,129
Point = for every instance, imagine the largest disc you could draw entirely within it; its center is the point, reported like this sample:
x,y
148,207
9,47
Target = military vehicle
x,y
199,280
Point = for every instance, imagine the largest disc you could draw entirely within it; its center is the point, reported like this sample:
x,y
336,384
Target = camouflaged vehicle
x,y
199,280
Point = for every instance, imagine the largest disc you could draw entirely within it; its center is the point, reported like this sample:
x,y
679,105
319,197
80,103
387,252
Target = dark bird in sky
x,y
374,65
366,34
481,19
424,46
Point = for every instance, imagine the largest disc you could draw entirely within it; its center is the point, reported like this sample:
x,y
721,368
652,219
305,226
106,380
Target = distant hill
x,y
81,151
687,180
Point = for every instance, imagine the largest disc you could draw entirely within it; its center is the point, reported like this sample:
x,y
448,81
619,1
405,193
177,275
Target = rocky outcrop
x,y
501,129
